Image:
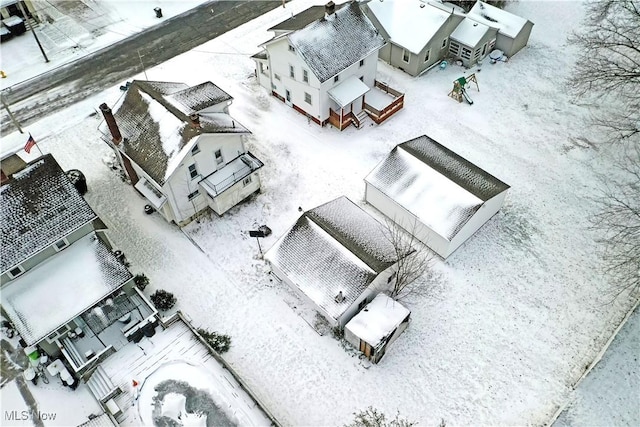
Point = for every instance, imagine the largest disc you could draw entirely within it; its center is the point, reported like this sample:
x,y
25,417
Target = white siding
x,y
233,195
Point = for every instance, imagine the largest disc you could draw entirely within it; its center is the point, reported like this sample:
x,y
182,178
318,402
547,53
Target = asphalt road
x,y
50,92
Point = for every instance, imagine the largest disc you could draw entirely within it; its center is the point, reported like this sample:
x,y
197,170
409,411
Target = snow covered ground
x,y
512,318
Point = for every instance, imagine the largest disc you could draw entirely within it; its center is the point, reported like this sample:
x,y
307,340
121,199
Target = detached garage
x,y
434,194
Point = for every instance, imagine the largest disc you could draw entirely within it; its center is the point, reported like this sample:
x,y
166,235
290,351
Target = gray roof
x,y
302,19
334,247
438,186
147,104
38,207
328,46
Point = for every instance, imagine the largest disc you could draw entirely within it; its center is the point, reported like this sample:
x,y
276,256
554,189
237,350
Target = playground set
x,y
459,90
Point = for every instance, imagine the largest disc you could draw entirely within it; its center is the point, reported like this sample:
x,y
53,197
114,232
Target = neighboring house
x,y
471,41
323,62
337,257
181,149
377,325
417,32
513,31
62,283
433,193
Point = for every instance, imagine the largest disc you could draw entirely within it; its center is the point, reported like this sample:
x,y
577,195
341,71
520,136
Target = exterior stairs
x,y
101,386
361,118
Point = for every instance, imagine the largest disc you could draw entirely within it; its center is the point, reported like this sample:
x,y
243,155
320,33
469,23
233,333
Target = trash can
x,y
158,12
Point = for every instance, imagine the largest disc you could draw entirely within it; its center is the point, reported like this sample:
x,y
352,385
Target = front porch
x,y
382,101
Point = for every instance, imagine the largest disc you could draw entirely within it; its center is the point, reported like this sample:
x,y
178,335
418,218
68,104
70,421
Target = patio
x,y
382,101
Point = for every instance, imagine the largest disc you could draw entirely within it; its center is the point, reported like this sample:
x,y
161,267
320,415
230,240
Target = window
x,y
193,195
454,49
307,98
484,49
305,76
292,72
476,53
405,55
336,78
246,181
153,189
15,271
277,76
193,172
466,53
426,55
195,150
444,44
61,244
287,95
292,49
361,62
219,158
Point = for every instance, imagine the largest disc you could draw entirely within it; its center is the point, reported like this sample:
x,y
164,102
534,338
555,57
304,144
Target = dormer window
x,y
61,244
15,271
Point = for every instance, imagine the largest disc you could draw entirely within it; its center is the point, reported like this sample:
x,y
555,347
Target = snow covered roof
x,y
62,287
348,91
378,319
153,118
329,45
409,23
442,189
302,19
507,23
469,32
334,247
38,207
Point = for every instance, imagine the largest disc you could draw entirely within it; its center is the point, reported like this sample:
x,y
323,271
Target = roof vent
x,y
421,5
195,119
339,297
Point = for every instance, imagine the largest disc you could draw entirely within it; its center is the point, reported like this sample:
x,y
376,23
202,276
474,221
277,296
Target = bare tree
x,y
609,65
413,261
372,418
619,220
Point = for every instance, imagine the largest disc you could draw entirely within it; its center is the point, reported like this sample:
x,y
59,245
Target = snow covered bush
x,y
163,300
141,281
219,342
372,418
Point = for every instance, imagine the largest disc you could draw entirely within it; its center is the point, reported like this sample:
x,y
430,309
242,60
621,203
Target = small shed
x,y
378,325
513,30
433,193
471,41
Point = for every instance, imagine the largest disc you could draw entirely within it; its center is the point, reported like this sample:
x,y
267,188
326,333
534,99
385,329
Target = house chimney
x,y
329,9
111,123
195,120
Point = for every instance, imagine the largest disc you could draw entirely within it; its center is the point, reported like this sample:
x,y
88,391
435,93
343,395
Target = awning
x,y
348,91
152,194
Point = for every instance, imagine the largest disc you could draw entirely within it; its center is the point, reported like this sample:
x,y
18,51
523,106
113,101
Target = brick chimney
x,y
111,123
195,120
329,9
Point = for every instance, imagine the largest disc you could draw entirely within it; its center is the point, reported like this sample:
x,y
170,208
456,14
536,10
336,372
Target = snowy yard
x,y
512,318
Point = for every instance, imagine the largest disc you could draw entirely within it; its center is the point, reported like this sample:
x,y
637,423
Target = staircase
x,y
101,386
361,118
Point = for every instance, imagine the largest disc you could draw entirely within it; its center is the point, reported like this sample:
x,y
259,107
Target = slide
x,y
466,96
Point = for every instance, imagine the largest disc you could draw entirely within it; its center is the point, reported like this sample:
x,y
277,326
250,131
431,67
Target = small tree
x,y
372,418
163,300
141,281
219,342
413,261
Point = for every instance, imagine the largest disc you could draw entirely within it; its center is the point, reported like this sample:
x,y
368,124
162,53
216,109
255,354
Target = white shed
x,y
377,326
434,194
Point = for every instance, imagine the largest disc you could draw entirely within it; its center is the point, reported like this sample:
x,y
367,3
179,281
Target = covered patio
x,y
347,97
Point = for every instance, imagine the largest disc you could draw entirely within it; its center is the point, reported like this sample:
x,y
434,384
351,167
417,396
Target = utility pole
x,y
11,116
24,16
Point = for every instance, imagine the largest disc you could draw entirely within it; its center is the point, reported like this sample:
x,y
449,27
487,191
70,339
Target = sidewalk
x,y
71,29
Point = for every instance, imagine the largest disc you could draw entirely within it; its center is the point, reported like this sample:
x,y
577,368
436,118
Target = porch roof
x,y
62,287
348,91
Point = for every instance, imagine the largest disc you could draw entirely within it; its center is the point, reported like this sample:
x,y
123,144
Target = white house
x,y
377,325
417,32
58,266
513,31
337,257
323,61
433,193
181,149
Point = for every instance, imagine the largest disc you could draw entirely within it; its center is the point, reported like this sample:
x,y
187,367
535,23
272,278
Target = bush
x,y
163,300
219,342
372,418
141,281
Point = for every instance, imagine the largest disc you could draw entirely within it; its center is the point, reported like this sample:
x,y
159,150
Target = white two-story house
x,y
181,149
323,61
